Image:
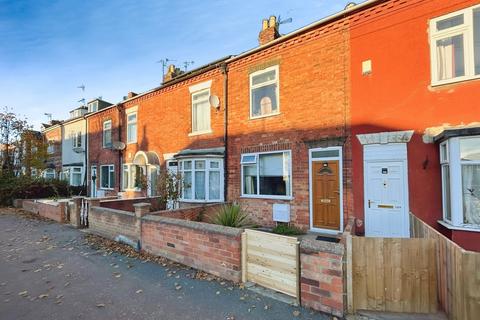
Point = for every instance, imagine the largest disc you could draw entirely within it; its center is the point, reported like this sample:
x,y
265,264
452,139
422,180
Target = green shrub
x,y
287,230
231,215
23,187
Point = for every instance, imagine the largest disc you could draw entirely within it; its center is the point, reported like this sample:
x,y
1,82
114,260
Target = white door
x,y
386,207
93,182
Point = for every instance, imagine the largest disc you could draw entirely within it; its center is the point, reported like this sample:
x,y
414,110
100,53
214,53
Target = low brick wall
x,y
110,223
127,204
51,210
322,276
211,248
194,213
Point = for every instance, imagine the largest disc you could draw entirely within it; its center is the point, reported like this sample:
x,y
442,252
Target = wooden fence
x,y
391,274
458,273
271,261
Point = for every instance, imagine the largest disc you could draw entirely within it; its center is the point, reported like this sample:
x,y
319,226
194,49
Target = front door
x,y
326,194
386,213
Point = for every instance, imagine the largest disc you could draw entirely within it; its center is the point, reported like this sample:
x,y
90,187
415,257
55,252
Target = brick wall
x,y
127,204
110,223
54,136
191,212
52,210
211,248
322,276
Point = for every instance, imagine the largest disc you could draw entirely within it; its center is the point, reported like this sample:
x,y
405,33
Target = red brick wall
x,y
191,213
213,249
110,223
164,119
54,135
97,155
127,204
322,279
53,211
314,71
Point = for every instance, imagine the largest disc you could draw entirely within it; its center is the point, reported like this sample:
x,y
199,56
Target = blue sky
x,y
50,47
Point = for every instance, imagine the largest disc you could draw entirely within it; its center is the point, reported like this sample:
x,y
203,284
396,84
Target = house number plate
x,y
325,200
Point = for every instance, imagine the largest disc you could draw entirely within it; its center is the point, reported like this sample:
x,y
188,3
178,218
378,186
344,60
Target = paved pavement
x,y
48,271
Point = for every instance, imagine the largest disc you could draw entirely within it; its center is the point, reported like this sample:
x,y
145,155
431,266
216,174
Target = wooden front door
x,y
326,194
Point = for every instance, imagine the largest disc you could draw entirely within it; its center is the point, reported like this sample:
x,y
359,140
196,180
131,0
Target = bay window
x,y
202,179
460,162
267,175
455,46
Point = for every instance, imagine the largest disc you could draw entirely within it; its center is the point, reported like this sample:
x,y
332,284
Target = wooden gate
x,y
272,261
392,274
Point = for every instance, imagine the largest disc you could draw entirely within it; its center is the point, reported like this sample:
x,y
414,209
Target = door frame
x,y
397,153
340,183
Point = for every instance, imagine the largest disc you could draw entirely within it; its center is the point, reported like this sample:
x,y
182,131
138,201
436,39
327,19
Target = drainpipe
x,y
85,171
120,165
224,70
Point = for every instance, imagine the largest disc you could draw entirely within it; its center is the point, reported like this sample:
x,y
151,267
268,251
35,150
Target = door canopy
x,y
143,158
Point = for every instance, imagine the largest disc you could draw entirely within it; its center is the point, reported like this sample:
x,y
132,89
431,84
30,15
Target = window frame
x,y
48,172
465,29
203,131
207,170
258,195
129,122
104,144
111,169
456,187
131,178
72,172
277,93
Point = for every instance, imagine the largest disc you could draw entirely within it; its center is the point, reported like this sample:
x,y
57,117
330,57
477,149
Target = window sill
x,y
265,116
132,142
453,81
248,196
200,201
465,227
107,189
197,133
132,190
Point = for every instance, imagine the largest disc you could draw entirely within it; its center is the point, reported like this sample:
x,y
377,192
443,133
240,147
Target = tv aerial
x,y
187,63
165,62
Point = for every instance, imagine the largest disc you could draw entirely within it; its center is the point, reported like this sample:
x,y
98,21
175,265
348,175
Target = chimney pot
x,y
269,31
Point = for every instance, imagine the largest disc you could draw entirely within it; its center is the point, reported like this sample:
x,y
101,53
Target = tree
x,y
11,129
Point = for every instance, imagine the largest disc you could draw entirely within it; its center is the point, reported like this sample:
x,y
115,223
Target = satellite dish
x,y
118,145
78,150
214,102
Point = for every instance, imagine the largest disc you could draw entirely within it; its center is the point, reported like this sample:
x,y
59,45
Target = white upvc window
x,y
267,175
49,174
455,46
202,179
264,93
93,106
76,139
132,177
201,112
107,177
76,176
460,163
51,146
132,127
107,134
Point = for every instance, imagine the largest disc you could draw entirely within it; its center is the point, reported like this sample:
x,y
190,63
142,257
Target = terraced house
x,y
368,114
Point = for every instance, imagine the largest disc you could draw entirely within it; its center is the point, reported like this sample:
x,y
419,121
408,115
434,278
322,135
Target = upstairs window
x,y
51,147
264,93
93,106
107,134
201,111
107,176
76,139
455,46
132,127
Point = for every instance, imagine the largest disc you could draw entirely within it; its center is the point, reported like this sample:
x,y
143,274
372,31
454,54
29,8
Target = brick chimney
x,y
172,72
269,31
131,95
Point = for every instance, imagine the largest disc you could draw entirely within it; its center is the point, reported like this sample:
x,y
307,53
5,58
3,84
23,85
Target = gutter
x,y
224,71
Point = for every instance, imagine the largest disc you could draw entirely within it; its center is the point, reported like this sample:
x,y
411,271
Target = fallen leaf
x,y
296,313
101,305
42,296
23,293
139,291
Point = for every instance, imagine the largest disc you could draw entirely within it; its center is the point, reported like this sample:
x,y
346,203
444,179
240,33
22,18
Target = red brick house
x,y
414,103
52,133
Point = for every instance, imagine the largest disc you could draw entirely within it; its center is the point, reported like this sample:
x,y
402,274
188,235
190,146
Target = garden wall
x,y
52,210
322,279
127,204
193,213
110,223
211,248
